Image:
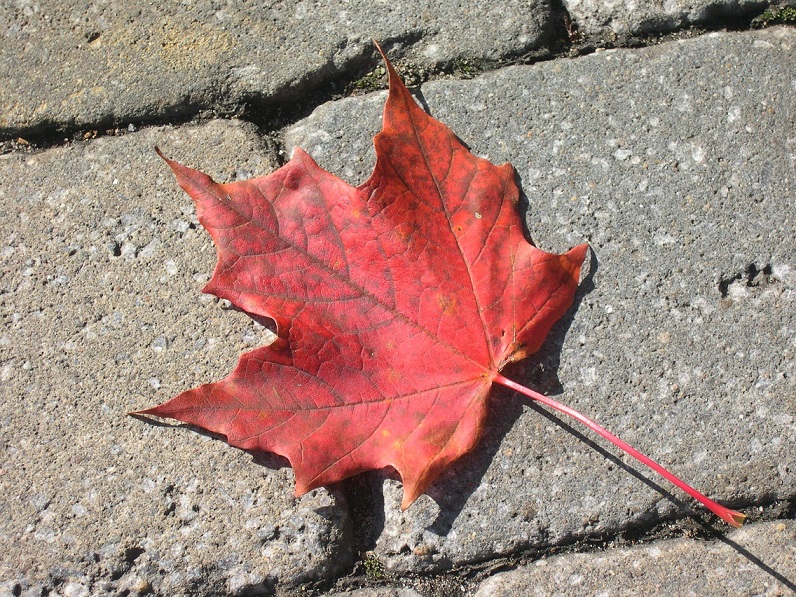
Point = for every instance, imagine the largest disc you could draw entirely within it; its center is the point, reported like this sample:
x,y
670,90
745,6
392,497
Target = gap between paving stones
x,y
461,581
273,117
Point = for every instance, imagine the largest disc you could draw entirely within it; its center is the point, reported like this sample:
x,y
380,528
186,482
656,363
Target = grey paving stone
x,y
102,264
759,559
77,64
675,163
598,17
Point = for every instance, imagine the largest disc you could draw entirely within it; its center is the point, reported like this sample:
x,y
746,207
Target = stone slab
x,y
102,265
72,64
759,559
623,19
676,163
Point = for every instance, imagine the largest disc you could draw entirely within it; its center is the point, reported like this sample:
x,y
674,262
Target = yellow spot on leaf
x,y
447,304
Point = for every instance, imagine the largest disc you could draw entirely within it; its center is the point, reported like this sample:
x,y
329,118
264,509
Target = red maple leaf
x,y
397,303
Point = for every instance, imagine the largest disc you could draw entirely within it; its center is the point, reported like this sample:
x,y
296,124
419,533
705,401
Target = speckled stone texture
x,y
729,566
103,260
67,63
619,19
675,162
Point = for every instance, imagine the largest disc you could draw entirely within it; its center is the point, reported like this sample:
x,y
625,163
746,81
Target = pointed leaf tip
x,y
578,254
573,260
394,80
151,411
410,495
171,163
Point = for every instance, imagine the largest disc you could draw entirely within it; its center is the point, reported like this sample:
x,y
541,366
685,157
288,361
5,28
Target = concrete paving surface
x,y
675,160
622,19
93,328
680,566
163,60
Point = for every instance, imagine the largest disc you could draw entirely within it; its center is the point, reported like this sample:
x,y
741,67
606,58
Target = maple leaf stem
x,y
731,517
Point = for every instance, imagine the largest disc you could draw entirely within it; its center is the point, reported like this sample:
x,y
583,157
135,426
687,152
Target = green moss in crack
x,y
414,74
465,68
373,81
374,569
776,16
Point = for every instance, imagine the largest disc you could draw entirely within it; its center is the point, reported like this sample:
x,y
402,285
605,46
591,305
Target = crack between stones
x,y
273,115
463,580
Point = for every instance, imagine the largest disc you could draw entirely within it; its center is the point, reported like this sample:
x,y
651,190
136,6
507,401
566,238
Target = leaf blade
x,y
390,302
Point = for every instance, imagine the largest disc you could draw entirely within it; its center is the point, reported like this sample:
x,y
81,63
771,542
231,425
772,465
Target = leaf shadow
x,y
154,422
266,459
540,370
417,93
453,489
701,518
266,322
615,460
718,535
